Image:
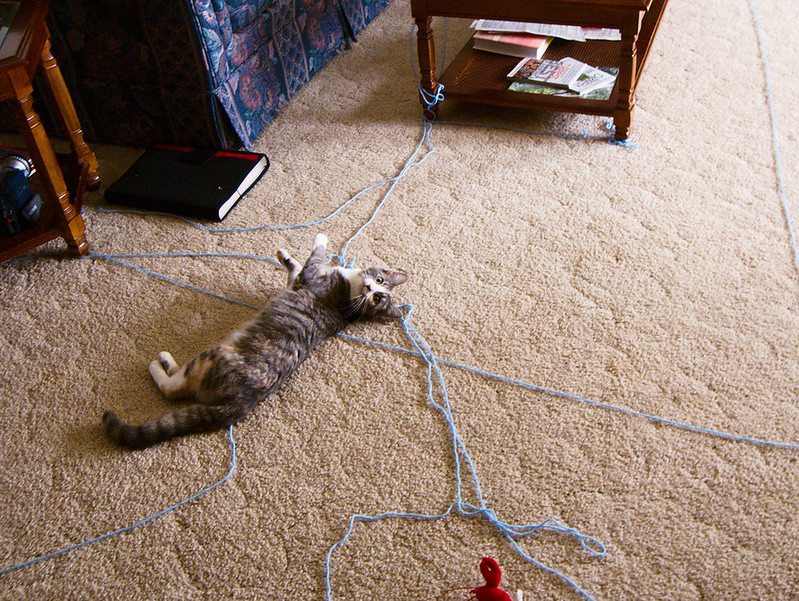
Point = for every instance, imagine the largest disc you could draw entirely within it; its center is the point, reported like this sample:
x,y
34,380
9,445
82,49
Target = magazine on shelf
x,y
535,88
593,94
554,73
524,69
512,44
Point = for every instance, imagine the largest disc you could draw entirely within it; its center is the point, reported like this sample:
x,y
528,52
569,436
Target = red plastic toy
x,y
490,591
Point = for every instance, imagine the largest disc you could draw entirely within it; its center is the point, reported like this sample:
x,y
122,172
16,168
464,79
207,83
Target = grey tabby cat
x,y
227,382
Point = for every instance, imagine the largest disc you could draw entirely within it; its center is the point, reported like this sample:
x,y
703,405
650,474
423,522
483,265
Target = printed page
x,y
566,32
596,33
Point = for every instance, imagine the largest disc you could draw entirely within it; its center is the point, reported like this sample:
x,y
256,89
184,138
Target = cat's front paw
x,y
320,240
285,258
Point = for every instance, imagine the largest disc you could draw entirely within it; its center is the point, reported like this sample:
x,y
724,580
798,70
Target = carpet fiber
x,y
658,280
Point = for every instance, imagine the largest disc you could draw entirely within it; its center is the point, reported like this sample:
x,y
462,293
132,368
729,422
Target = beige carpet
x,y
659,280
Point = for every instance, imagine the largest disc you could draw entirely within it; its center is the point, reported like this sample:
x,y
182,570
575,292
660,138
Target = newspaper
x,y
596,33
566,32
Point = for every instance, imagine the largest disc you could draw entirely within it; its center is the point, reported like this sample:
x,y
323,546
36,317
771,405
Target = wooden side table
x,y
477,76
26,46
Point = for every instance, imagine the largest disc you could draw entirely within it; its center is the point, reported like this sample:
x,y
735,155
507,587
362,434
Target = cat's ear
x,y
392,311
395,278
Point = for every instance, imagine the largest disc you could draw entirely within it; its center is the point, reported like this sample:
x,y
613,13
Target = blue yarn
x,y
142,522
774,136
422,354
115,259
424,141
212,230
511,532
572,397
431,99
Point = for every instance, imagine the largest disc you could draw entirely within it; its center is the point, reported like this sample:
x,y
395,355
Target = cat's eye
x,y
377,299
379,279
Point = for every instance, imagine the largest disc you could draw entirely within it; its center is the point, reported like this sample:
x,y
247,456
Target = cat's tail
x,y
187,420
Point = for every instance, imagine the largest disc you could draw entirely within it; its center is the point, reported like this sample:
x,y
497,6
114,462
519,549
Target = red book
x,y
523,45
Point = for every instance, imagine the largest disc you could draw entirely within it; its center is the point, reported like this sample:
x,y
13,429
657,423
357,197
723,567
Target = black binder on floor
x,y
204,184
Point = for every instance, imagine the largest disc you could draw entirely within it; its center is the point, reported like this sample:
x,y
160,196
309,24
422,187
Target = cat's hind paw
x,y
162,368
157,372
168,362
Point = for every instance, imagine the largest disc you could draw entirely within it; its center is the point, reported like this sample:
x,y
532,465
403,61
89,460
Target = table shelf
x,y
477,76
76,176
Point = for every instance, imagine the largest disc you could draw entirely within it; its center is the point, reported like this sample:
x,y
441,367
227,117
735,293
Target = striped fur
x,y
223,385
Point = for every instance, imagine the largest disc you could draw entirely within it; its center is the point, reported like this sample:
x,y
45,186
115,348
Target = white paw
x,y
168,362
157,371
320,240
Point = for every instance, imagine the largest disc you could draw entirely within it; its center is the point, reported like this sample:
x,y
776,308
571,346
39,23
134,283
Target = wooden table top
x,y
554,11
22,46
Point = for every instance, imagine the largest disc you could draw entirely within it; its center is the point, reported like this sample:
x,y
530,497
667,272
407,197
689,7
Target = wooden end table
x,y
25,48
478,76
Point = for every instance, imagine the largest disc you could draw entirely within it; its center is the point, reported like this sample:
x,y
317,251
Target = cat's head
x,y
371,293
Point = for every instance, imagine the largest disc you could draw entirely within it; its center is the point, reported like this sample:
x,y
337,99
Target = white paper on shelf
x,y
592,79
593,33
567,32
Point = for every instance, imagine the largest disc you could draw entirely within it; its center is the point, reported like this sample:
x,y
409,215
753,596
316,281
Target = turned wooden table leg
x,y
38,144
70,118
427,67
628,69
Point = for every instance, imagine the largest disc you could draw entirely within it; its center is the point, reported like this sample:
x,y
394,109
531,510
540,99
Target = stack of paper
x,y
566,32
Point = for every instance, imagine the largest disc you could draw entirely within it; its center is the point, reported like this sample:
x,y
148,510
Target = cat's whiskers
x,y
357,306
